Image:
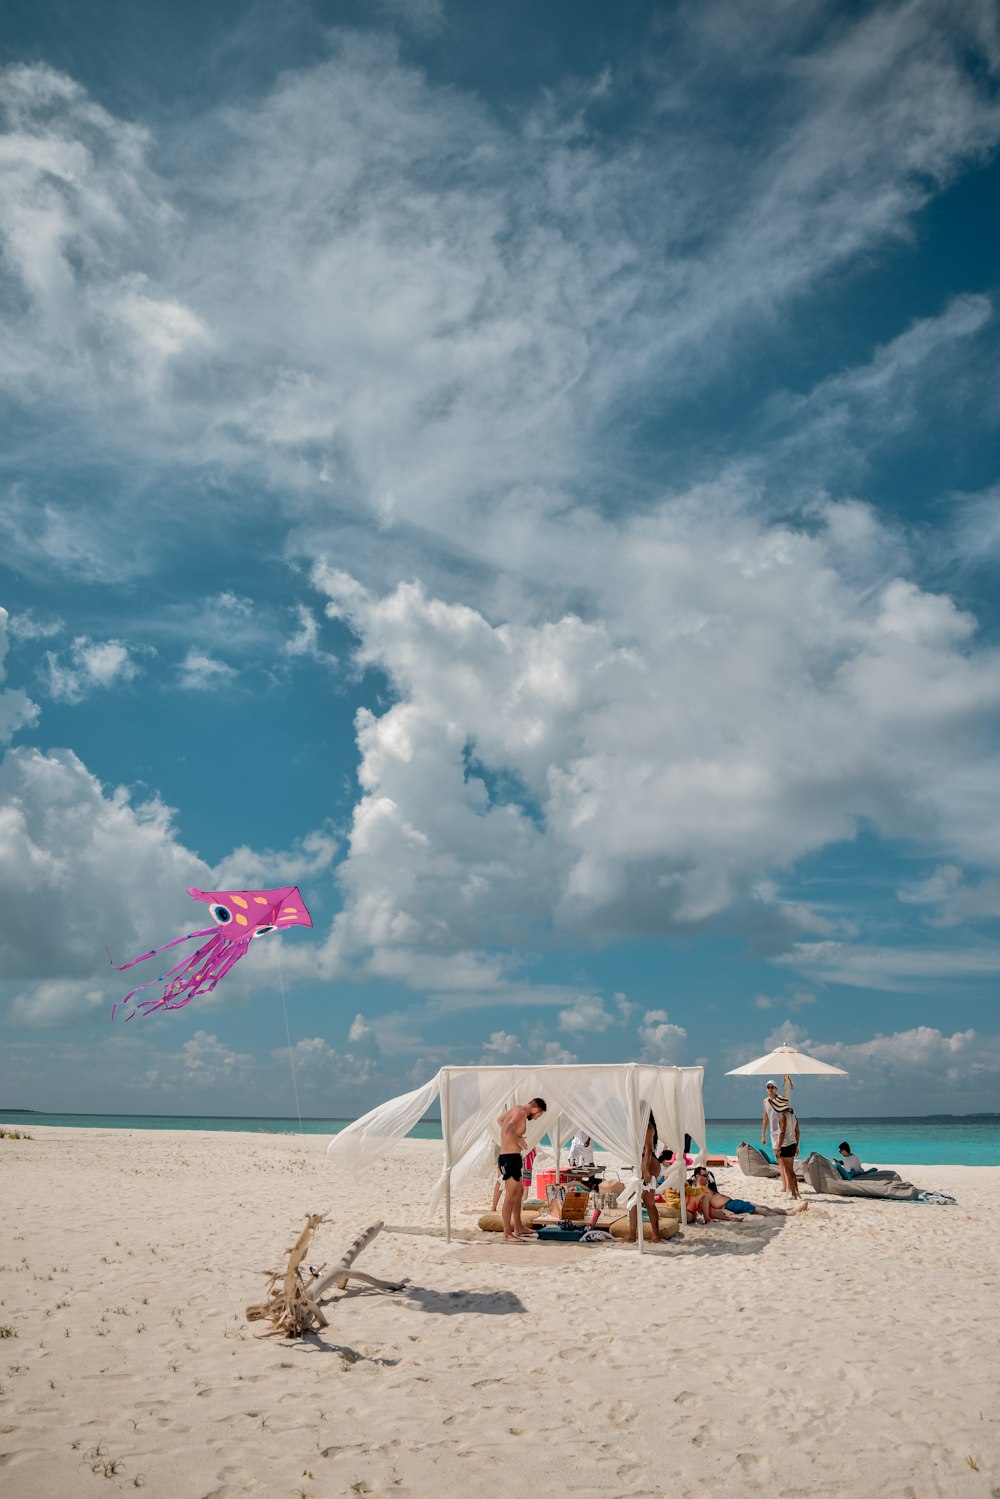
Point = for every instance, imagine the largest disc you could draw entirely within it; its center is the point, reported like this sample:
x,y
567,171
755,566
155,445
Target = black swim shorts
x,y
509,1166
786,1151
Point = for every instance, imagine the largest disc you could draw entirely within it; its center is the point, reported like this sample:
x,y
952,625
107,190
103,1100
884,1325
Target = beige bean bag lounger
x,y
753,1162
822,1177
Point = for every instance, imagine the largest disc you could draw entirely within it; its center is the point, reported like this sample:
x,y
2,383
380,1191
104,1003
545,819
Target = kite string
x,y
288,1037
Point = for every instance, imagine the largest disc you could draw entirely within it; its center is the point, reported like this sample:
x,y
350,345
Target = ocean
x,y
953,1139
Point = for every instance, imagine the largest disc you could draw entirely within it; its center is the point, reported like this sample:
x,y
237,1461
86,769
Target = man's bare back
x,y
512,1127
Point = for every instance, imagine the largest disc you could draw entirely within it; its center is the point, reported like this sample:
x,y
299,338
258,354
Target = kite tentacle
x,y
211,963
175,975
121,967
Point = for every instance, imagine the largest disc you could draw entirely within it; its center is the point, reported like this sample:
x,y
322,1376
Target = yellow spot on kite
x,y
239,901
241,919
291,910
260,900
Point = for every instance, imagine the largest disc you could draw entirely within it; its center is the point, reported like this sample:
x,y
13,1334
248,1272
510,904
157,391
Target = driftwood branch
x,y
295,1309
342,1272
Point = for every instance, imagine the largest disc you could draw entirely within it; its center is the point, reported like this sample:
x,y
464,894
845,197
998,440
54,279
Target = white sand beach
x,y
849,1351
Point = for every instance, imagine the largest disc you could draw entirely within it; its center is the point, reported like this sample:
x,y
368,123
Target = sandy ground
x,y
850,1351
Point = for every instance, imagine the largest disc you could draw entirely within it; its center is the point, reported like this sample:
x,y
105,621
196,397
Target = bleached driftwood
x,y
295,1309
342,1272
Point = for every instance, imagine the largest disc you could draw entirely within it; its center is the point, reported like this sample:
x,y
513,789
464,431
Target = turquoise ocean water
x,y
970,1140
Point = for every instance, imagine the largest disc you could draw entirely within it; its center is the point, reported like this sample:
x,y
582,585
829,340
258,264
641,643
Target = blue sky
x,y
529,476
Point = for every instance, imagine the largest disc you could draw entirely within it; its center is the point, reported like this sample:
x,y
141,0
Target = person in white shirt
x,y
581,1150
850,1162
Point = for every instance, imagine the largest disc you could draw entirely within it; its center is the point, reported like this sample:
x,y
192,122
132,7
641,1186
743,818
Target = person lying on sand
x,y
715,1204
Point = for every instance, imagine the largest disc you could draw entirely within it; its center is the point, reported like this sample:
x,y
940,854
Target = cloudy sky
x,y
528,475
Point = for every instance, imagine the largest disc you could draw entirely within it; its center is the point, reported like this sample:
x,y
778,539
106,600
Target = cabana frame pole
x,y
557,1141
633,1098
446,1131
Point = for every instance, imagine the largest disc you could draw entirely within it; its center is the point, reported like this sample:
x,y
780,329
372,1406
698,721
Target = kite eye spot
x,y
262,931
221,915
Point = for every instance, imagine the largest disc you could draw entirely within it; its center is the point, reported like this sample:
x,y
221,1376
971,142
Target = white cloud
x,y
81,869
88,666
25,625
17,711
209,1063
587,1014
248,868
774,699
440,311
793,1001
554,1054
501,1047
954,899
319,1066
892,968
661,1041
201,672
305,641
921,1070
834,429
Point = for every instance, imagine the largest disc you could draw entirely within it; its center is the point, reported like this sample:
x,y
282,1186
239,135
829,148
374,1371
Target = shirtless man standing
x,y
510,1162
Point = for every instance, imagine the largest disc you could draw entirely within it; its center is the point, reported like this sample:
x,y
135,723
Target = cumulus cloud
x,y
249,868
726,708
661,1041
501,1047
318,1066
88,666
955,1073
104,870
209,1063
587,1014
440,317
82,868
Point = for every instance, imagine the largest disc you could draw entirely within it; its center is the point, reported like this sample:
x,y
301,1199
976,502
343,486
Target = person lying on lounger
x,y
715,1204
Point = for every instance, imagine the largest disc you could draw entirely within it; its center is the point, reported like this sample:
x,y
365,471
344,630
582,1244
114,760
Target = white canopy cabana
x,y
612,1102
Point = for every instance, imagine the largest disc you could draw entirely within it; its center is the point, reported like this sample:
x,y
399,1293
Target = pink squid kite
x,y
239,917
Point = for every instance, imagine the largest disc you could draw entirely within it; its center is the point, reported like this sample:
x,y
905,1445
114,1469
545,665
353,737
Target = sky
x,y
528,476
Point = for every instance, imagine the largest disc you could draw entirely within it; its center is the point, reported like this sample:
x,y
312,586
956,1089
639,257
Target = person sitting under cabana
x,y
649,1170
581,1150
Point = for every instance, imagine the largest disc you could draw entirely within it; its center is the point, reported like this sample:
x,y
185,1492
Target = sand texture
x,y
852,1351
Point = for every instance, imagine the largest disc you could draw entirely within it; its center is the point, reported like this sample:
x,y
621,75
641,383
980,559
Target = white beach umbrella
x,y
787,1060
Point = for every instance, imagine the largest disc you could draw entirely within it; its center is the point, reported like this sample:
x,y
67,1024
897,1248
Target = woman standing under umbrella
x,y
779,1117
